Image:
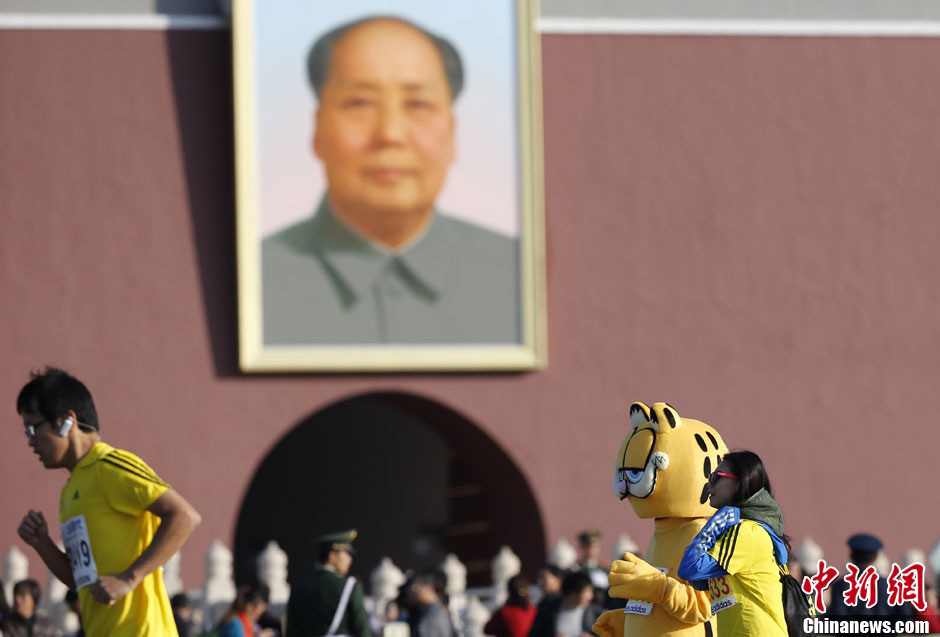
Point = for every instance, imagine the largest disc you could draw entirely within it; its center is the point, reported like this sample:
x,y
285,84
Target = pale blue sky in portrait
x,y
482,183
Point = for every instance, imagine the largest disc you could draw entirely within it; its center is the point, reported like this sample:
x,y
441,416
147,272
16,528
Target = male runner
x,y
120,521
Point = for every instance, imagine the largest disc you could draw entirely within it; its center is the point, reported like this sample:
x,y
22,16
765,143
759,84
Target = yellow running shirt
x,y
749,600
105,527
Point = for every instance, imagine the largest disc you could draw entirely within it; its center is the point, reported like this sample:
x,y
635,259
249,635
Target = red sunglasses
x,y
713,478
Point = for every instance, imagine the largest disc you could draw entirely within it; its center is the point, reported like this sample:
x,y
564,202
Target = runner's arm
x,y
57,561
178,518
698,564
34,531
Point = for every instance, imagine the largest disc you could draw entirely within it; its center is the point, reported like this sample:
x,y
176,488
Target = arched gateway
x,y
416,478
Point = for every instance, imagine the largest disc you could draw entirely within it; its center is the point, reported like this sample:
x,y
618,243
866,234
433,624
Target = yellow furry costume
x,y
663,467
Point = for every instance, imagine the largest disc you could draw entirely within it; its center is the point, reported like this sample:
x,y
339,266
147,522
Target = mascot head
x,y
664,463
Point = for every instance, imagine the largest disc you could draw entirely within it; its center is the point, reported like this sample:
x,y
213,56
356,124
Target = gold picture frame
x,y
256,33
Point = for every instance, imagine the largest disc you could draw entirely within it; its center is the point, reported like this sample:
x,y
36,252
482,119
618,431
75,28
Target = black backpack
x,y
797,605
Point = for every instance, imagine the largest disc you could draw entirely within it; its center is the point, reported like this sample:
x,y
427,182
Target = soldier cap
x,y
591,536
339,541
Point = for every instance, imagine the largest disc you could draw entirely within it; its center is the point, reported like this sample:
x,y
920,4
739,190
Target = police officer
x,y
863,551
329,601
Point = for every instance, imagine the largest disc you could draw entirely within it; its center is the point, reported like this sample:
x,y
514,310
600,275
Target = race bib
x,y
638,606
720,593
78,548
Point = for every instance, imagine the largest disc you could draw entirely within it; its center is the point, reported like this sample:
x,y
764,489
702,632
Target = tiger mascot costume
x,y
663,467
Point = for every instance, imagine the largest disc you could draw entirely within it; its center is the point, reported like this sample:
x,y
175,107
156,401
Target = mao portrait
x,y
378,262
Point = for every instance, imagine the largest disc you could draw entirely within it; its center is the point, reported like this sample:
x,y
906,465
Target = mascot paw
x,y
610,624
632,578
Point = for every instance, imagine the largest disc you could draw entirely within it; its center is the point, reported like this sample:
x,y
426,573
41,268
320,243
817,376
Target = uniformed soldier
x,y
589,545
329,601
589,551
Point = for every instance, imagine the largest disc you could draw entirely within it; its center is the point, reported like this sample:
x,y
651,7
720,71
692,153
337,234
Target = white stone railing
x,y
470,608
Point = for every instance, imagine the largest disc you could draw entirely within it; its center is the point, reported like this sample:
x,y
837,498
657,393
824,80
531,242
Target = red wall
x,y
742,226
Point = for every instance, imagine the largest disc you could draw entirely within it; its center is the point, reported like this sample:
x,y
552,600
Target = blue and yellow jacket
x,y
737,561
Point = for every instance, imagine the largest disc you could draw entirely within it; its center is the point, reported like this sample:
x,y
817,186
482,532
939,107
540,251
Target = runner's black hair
x,y
53,392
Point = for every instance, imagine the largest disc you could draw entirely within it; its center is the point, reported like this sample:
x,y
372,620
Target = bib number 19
x,y
81,557
78,549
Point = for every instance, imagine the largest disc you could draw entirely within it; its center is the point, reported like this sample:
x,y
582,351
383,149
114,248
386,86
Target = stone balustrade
x,y
470,608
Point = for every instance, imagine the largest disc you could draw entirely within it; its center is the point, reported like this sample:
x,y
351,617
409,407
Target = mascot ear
x,y
639,415
664,418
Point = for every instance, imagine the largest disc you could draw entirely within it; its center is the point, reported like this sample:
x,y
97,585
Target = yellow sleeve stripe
x,y
727,548
124,464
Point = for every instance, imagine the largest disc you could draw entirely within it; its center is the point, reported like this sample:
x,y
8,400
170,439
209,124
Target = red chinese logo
x,y
861,588
907,585
818,583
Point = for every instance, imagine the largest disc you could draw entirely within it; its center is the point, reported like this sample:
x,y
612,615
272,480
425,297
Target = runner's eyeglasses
x,y
31,429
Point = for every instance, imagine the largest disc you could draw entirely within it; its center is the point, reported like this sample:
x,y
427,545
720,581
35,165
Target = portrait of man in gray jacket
x,y
377,262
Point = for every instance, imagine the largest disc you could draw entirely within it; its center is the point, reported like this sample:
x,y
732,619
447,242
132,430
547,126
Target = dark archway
x,y
416,478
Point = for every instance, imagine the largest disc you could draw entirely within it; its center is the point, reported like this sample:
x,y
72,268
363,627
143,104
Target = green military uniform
x,y
314,601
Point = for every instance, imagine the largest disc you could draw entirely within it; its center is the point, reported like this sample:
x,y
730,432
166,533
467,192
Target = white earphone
x,y
66,426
